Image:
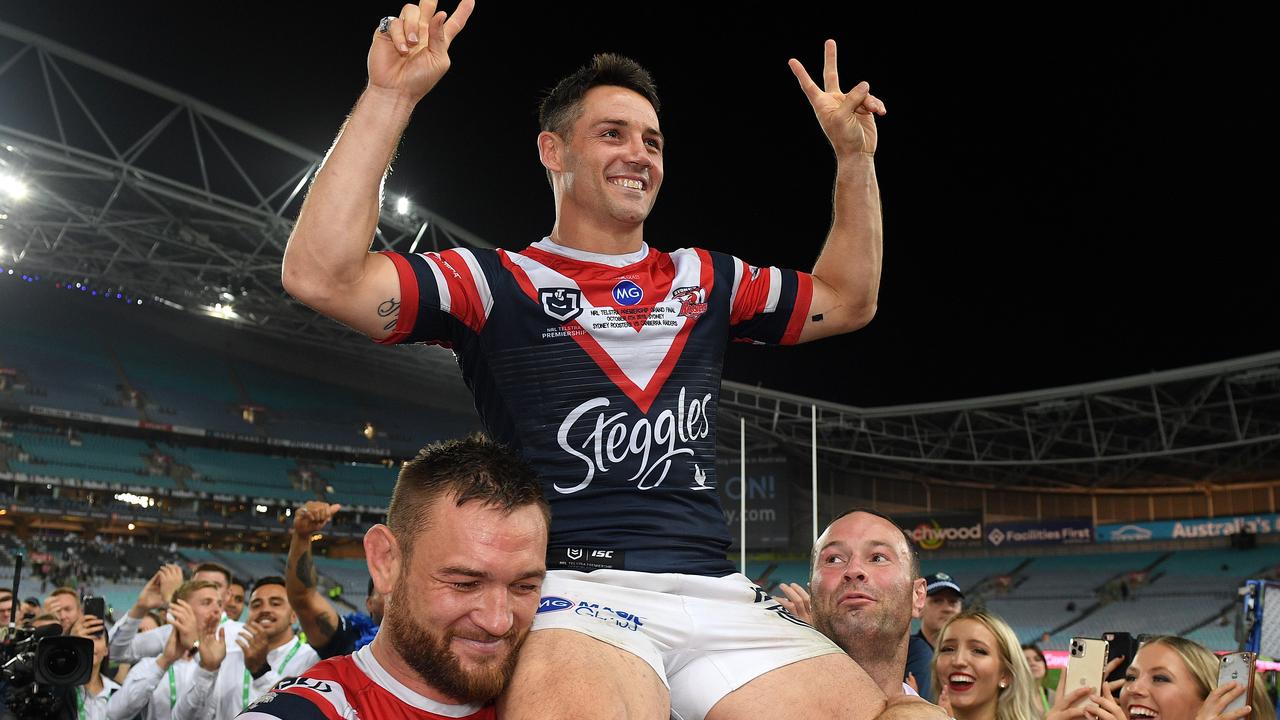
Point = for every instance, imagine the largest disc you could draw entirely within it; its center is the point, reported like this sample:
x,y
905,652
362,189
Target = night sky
x,y
1067,198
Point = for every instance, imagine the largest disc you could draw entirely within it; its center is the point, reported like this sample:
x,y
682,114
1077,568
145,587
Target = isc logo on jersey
x,y
627,293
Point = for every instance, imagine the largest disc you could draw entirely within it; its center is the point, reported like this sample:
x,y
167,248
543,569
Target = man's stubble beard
x,y
428,654
859,638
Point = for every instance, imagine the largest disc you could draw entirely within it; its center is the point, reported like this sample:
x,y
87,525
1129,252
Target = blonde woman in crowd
x,y
979,671
1173,678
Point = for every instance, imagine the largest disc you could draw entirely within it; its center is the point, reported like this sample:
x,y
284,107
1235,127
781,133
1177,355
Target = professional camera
x,y
40,667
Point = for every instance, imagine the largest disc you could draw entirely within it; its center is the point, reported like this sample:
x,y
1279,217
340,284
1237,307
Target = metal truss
x,y
1210,424
138,189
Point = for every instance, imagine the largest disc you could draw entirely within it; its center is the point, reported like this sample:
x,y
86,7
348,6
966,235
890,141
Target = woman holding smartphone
x,y
1173,678
979,672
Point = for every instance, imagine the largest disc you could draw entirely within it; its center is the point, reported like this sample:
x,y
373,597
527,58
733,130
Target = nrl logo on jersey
x,y
562,304
693,300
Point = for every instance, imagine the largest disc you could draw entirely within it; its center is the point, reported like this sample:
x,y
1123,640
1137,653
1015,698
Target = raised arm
x,y
846,277
327,264
318,618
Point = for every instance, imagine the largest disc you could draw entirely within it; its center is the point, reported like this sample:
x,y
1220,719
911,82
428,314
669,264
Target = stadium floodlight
x,y
227,297
13,187
260,508
132,526
402,206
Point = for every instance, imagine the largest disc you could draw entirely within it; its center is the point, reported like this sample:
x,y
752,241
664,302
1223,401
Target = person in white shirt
x,y
266,652
92,697
128,645
160,686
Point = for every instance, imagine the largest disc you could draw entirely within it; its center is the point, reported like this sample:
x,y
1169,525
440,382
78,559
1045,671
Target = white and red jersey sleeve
x,y
768,305
441,294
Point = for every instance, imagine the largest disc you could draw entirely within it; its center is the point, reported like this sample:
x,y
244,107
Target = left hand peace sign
x,y
846,118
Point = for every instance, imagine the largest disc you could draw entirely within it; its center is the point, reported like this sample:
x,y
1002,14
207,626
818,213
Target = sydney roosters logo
x,y
693,301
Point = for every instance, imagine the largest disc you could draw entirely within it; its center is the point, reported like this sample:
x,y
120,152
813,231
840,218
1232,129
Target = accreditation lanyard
x,y
173,690
248,678
80,693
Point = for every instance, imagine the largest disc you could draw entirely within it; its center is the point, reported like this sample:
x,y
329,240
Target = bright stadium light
x,y
260,508
402,206
13,187
132,526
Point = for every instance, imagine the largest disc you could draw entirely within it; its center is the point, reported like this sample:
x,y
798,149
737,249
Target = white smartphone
x,y
1085,665
1237,667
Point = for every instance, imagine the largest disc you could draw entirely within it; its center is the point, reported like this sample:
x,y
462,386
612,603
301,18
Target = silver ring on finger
x,y
384,25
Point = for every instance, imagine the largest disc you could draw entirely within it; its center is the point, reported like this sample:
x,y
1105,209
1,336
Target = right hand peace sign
x,y
413,54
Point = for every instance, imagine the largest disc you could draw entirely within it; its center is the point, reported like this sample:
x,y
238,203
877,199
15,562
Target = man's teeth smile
x,y
628,183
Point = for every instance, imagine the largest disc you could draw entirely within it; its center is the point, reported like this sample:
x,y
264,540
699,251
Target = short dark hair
x,y
241,583
471,468
911,546
563,104
213,567
268,580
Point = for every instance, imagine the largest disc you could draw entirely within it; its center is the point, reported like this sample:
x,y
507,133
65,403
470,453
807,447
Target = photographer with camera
x,y
193,616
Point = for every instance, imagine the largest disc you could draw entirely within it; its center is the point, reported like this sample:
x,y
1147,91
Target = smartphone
x,y
1085,665
97,607
1120,644
1237,667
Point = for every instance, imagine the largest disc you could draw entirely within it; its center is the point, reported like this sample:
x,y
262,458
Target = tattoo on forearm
x,y
306,572
325,624
390,309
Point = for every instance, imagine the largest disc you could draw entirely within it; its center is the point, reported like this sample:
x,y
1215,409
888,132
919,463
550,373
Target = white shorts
x,y
704,636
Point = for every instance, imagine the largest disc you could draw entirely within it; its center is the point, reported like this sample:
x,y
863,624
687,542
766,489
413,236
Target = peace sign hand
x,y
846,118
413,54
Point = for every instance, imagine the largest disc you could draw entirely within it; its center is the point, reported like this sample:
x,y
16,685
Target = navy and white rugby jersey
x,y
604,373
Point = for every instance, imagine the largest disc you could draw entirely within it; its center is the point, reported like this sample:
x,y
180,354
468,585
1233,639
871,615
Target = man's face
x,y
65,607
938,609
235,601
463,601
612,164
864,589
6,609
220,580
269,608
204,602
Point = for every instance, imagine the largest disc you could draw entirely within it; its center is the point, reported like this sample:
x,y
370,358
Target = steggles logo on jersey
x,y
693,301
563,304
612,441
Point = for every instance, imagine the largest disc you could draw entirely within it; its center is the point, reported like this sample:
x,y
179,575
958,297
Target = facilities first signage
x,y
1064,532
935,532
1184,529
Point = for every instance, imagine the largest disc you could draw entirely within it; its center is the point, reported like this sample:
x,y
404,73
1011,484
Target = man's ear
x,y
551,151
382,554
918,597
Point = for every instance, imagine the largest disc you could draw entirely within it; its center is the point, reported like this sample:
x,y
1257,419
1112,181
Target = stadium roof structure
x,y
142,190
1209,425
175,201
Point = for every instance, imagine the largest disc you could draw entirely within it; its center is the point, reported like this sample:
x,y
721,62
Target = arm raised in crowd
x,y
316,615
127,645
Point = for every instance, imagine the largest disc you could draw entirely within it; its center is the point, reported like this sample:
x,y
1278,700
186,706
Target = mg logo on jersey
x,y
551,603
627,293
563,304
616,437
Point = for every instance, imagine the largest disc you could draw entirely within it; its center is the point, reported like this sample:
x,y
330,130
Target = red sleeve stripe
x,y
480,280
408,316
756,283
467,305
799,312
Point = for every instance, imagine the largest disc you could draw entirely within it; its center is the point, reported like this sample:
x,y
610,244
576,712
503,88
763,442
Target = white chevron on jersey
x,y
639,359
